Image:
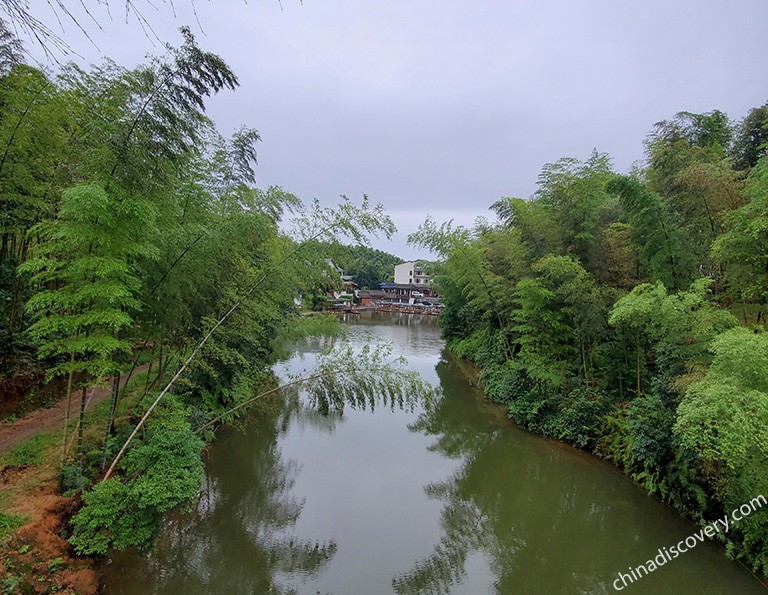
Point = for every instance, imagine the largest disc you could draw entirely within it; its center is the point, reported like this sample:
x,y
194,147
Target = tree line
x,y
625,314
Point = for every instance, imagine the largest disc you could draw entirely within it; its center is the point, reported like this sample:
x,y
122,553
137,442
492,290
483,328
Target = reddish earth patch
x,y
11,473
41,559
37,558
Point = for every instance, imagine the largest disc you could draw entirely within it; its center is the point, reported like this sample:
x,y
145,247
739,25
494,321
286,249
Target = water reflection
x,y
239,536
541,518
446,498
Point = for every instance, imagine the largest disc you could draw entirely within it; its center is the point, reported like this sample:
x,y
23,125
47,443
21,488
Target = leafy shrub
x,y
73,479
615,443
534,410
579,418
650,424
500,383
165,472
108,519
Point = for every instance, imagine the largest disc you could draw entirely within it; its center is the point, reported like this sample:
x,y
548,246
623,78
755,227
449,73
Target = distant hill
x,y
368,266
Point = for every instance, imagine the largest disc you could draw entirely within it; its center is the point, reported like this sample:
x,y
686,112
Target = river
x,y
442,497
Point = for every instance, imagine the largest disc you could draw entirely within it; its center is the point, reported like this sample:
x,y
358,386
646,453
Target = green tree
x,y
710,129
32,146
724,417
655,231
671,331
751,142
537,222
705,191
617,262
725,414
743,249
558,321
84,266
582,207
368,267
689,168
483,299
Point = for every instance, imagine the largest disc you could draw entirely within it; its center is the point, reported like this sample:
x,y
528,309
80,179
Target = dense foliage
x,y
369,267
625,313
130,230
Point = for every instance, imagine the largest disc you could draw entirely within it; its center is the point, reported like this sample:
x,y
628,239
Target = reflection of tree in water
x,y
462,533
506,501
238,537
362,374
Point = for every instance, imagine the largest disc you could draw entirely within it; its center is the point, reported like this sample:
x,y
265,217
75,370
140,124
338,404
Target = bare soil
x,y
37,556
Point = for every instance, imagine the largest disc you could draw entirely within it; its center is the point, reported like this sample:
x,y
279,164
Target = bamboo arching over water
x,y
415,386
347,219
176,376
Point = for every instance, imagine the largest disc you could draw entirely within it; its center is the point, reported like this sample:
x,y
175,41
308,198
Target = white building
x,y
411,273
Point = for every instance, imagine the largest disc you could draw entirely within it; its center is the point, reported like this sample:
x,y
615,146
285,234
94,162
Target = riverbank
x,y
727,544
392,308
474,460
40,502
35,517
36,558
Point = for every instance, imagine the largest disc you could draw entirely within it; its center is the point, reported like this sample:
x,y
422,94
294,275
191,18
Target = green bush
x,y
650,424
165,472
615,442
579,418
73,479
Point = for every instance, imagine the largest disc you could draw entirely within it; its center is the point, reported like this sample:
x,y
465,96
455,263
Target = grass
x,y
29,452
9,523
35,453
98,413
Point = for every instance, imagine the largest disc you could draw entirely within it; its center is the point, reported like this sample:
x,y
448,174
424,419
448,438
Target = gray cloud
x,y
444,107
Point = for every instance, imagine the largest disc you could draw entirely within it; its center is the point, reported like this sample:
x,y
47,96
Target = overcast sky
x,y
444,107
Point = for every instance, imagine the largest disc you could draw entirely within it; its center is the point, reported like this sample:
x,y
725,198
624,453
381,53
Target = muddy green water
x,y
446,498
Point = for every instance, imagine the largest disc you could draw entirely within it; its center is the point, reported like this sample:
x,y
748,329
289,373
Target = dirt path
x,y
44,420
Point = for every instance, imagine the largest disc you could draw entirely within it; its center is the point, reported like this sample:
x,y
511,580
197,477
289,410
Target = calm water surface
x,y
448,497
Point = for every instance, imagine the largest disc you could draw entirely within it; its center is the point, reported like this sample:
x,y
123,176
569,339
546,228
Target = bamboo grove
x,y
625,314
131,230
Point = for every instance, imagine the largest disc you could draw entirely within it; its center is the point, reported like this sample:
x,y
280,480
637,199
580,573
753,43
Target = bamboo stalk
x,y
199,346
259,396
112,407
83,399
66,414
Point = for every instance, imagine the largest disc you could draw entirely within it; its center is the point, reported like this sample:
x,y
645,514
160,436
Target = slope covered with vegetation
x,y
367,266
625,314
